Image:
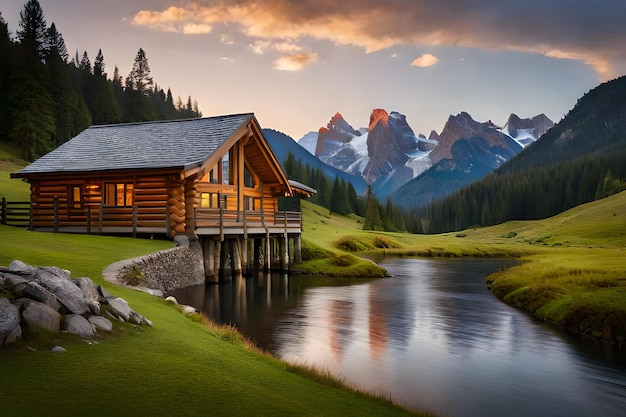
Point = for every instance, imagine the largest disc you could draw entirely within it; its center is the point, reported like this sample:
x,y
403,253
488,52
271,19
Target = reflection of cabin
x,y
216,178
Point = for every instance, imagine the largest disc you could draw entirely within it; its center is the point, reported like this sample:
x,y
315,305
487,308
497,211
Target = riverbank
x,y
177,367
573,273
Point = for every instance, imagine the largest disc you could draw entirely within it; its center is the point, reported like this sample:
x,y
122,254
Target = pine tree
x,y
33,27
138,91
139,78
98,65
55,45
29,101
372,213
338,198
71,113
6,61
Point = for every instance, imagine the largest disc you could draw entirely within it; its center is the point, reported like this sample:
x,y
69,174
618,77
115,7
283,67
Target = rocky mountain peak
x,y
337,131
527,130
378,115
463,126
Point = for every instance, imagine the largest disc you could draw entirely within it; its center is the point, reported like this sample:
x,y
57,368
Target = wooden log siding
x,y
176,206
51,206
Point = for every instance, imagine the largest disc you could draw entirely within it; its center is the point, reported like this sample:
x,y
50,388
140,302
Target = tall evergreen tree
x,y
98,65
372,213
338,198
138,88
6,65
71,113
33,27
31,106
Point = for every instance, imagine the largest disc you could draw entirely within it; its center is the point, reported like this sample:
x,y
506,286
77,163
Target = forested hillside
x,y
46,98
581,159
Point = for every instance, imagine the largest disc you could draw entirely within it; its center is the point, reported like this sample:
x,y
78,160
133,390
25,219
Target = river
x,y
430,337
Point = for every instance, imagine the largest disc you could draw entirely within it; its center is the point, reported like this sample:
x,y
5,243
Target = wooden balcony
x,y
220,222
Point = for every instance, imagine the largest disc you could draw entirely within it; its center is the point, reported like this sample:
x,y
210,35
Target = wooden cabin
x,y
215,178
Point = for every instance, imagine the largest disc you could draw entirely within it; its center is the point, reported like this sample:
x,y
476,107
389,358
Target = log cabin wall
x,y
111,204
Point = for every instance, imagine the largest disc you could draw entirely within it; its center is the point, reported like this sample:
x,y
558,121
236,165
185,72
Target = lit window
x,y
75,196
209,200
120,195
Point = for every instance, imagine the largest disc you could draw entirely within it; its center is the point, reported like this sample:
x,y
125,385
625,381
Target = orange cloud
x,y
426,60
295,62
592,32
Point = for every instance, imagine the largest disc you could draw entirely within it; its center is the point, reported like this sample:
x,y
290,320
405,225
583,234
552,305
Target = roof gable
x,y
181,144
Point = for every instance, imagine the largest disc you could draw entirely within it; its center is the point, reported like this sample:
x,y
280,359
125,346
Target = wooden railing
x,y
88,219
15,213
220,218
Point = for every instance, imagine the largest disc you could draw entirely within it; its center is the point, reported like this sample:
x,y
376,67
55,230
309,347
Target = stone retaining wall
x,y
169,269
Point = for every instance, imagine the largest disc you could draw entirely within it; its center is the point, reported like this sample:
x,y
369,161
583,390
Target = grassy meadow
x,y
180,366
573,275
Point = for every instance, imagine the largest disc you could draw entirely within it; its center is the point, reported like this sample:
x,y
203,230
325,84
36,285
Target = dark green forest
x,y
581,159
46,98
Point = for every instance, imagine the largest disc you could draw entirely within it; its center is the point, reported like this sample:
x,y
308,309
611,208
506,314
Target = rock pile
x,y
45,299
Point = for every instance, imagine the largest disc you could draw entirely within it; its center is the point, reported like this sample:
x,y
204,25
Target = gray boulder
x,y
87,286
34,291
19,268
77,324
13,280
9,321
90,292
120,308
59,349
101,323
58,281
104,295
40,315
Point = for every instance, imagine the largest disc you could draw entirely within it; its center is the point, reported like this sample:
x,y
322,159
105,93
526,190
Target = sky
x,y
295,63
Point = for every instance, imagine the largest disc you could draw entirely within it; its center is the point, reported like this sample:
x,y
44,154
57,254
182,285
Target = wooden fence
x,y
15,213
97,219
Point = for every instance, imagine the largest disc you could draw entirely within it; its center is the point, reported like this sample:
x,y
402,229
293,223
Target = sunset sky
x,y
294,63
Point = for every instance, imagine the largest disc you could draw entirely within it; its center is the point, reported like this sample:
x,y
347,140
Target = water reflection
x,y
431,337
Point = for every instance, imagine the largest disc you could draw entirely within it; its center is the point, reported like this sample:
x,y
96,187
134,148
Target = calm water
x,y
432,337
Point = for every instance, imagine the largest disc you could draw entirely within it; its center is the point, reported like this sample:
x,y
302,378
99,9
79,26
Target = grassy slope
x,y
178,367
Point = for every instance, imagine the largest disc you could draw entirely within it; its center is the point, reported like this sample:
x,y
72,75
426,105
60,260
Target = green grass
x,y
12,189
181,366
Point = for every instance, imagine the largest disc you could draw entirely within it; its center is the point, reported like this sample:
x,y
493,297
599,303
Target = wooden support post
x,y
244,254
100,215
236,256
208,254
297,248
55,221
134,221
268,251
221,224
89,220
4,210
168,226
217,256
285,252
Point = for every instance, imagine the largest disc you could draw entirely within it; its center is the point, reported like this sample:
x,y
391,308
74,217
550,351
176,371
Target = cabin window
x,y
251,203
225,170
213,177
209,200
119,195
75,199
248,179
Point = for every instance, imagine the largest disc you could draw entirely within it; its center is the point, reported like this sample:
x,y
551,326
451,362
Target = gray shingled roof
x,y
179,144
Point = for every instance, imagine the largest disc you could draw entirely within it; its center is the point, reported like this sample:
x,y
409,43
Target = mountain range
x,y
389,157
